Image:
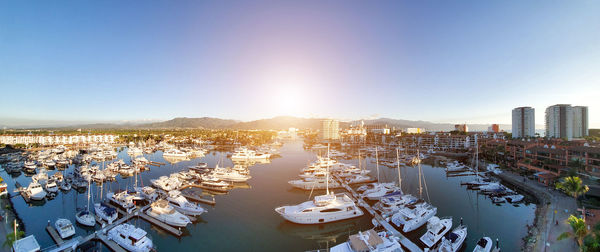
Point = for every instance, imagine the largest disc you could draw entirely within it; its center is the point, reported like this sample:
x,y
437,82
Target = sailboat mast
x,y
88,196
420,178
327,173
377,163
398,163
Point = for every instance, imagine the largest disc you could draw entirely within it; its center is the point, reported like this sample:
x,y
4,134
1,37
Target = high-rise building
x,y
580,121
461,128
559,121
523,122
494,128
330,129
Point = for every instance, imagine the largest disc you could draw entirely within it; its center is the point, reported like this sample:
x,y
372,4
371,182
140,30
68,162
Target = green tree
x,y
573,186
10,238
579,230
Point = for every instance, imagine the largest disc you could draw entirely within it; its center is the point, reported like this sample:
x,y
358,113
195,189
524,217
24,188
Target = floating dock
x,y
388,227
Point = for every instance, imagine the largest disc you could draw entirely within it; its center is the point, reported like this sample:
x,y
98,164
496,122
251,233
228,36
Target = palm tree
x,y
579,230
573,186
10,238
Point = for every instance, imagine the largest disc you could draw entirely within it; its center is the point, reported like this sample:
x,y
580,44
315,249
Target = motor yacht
x,y
322,209
369,241
162,211
130,238
51,186
65,228
317,184
29,166
454,240
35,191
514,198
175,153
243,154
123,199
148,193
177,200
229,175
412,218
436,229
484,245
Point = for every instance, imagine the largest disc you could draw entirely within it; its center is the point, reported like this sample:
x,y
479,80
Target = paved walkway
x,y
545,230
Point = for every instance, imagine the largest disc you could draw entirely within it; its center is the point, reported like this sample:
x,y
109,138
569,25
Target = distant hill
x,y
276,123
184,122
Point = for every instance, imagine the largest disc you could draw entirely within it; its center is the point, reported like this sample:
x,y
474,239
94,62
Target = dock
x,y
54,234
408,244
155,163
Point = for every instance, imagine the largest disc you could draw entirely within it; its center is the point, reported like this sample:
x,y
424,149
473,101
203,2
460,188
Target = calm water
x,y
244,219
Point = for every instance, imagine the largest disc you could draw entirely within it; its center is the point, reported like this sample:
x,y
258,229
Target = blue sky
x,y
441,61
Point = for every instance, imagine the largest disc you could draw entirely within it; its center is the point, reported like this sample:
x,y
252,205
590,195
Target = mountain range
x,y
276,123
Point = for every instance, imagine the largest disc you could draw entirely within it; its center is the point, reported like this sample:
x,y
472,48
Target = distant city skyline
x,y
445,62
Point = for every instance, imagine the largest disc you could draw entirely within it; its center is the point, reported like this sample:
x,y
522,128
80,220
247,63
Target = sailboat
x,y
322,209
85,217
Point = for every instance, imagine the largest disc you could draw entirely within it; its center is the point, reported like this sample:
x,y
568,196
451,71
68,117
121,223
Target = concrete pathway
x,y
554,205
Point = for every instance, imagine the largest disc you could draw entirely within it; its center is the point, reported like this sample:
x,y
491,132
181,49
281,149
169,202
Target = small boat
x,y
454,240
162,211
484,245
130,238
436,229
514,198
65,228
65,186
106,212
498,200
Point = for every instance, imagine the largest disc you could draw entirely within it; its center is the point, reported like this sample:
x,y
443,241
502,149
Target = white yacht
x,y
65,228
29,166
162,211
358,179
166,183
323,209
130,238
454,240
246,154
316,184
183,205
175,153
41,177
51,186
436,229
35,191
514,198
123,199
369,241
106,212
147,192
413,218
229,175
484,245
381,190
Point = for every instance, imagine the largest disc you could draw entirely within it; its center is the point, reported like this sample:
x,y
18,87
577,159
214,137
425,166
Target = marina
x,y
226,212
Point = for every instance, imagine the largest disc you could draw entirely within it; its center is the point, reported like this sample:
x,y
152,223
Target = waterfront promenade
x,y
545,229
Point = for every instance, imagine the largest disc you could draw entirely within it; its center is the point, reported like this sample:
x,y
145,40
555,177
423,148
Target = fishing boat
x,y
436,229
162,211
65,228
130,238
183,205
106,212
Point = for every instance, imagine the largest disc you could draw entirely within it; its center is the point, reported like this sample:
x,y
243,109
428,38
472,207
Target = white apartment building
x,y
559,121
580,121
56,139
330,129
523,122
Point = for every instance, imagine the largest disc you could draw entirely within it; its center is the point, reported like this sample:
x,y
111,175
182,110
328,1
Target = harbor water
x,y
244,219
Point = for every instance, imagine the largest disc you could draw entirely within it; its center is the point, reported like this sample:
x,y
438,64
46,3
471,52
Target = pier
x,y
377,217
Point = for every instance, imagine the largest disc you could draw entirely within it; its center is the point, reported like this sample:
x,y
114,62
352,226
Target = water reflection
x,y
321,232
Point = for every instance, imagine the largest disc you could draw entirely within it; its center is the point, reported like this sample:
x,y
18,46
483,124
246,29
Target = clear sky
x,y
441,61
